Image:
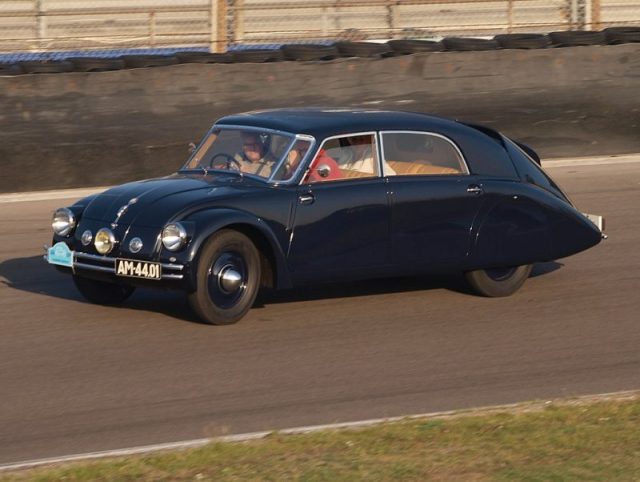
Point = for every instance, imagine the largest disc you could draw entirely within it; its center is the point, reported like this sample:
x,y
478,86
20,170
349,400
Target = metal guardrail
x,y
43,25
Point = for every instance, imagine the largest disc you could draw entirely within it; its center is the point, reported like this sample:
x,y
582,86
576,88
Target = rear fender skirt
x,y
532,226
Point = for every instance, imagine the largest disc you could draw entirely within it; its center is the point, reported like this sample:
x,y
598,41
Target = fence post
x,y
218,26
596,12
41,25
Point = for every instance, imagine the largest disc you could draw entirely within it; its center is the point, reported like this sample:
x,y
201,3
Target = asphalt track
x,y
75,377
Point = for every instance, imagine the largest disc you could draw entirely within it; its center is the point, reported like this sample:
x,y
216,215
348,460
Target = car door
x,y
341,224
433,200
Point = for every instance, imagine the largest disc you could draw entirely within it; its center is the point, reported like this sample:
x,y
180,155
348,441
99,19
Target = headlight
x,y
105,241
174,236
63,221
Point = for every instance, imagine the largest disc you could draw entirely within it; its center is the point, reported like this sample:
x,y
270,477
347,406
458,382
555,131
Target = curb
x,y
520,407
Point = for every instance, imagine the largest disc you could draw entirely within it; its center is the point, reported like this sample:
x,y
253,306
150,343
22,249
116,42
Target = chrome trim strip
x,y
93,267
428,133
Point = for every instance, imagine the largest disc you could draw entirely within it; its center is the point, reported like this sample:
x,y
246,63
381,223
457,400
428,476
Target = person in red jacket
x,y
322,168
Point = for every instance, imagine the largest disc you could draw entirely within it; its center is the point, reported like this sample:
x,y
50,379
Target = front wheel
x,y
102,292
228,278
498,282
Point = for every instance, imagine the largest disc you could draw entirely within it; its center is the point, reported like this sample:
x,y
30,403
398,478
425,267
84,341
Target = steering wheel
x,y
227,162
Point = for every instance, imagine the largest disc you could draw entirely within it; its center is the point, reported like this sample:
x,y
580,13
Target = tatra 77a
x,y
295,196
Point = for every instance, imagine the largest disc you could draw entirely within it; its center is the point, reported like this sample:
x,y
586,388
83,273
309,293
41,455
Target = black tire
x,y
141,61
10,69
46,66
622,35
576,38
204,58
406,47
102,292
498,282
363,49
309,52
256,55
91,64
523,41
469,44
226,253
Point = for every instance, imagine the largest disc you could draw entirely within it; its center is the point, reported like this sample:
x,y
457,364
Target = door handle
x,y
474,189
306,199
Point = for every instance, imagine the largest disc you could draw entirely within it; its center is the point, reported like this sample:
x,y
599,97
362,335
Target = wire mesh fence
x,y
216,25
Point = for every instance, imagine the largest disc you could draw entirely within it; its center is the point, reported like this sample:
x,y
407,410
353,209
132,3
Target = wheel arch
x,y
272,257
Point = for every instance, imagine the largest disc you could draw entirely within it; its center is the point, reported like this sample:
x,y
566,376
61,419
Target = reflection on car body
x,y
287,197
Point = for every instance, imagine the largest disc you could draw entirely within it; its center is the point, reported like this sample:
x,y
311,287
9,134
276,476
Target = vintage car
x,y
286,197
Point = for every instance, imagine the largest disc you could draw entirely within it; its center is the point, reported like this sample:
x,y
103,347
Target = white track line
x,y
244,437
15,197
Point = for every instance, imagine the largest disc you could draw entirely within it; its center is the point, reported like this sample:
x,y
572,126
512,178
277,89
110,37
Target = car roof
x,y
482,147
327,122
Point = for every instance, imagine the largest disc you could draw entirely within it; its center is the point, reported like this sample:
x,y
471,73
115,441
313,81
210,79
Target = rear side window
x,y
418,153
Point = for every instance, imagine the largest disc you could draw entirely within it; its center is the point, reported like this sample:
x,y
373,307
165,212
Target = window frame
x,y
383,159
376,141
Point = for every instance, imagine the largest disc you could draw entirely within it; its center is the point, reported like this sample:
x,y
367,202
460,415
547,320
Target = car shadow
x,y
33,274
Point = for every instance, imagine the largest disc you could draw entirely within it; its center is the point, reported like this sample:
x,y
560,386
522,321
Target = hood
x,y
152,202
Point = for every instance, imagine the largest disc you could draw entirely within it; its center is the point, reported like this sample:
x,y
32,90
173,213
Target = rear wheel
x,y
228,278
102,292
498,282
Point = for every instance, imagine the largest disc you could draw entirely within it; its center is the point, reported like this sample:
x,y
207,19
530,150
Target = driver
x,y
254,158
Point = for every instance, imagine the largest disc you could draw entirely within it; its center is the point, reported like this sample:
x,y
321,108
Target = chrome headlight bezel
x,y
104,241
174,236
63,221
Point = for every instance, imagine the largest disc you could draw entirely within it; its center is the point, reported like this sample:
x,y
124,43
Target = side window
x,y
354,157
415,153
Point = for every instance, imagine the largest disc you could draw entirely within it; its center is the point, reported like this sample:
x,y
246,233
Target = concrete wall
x,y
84,129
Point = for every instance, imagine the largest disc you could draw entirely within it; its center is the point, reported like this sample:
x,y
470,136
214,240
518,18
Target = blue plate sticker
x,y
60,254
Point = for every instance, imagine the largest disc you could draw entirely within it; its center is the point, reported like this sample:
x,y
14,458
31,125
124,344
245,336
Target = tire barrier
x,y
407,47
363,49
309,52
91,64
256,55
462,44
522,41
203,58
341,48
141,61
622,35
46,67
577,38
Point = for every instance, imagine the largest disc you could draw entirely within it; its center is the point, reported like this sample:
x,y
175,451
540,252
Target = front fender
x,y
209,221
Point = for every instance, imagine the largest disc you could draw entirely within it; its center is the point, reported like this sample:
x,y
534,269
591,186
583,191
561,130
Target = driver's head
x,y
252,146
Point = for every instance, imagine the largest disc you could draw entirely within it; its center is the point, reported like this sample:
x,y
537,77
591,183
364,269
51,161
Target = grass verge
x,y
596,440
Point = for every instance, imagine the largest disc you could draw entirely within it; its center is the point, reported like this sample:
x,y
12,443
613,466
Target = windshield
x,y
248,151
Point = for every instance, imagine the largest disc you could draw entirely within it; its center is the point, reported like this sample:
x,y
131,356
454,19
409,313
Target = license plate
x,y
138,269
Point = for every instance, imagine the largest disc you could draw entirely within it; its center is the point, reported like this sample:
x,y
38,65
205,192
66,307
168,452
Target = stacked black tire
x,y
323,52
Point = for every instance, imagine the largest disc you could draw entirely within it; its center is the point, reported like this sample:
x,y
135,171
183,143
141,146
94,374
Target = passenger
x,y
254,158
363,158
322,168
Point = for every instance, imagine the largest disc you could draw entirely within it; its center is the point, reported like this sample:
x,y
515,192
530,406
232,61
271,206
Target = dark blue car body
x,y
504,212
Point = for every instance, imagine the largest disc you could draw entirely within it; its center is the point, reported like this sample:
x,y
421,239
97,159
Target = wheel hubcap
x,y
227,279
500,274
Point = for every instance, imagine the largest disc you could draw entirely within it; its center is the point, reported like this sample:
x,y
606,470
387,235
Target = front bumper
x,y
104,268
